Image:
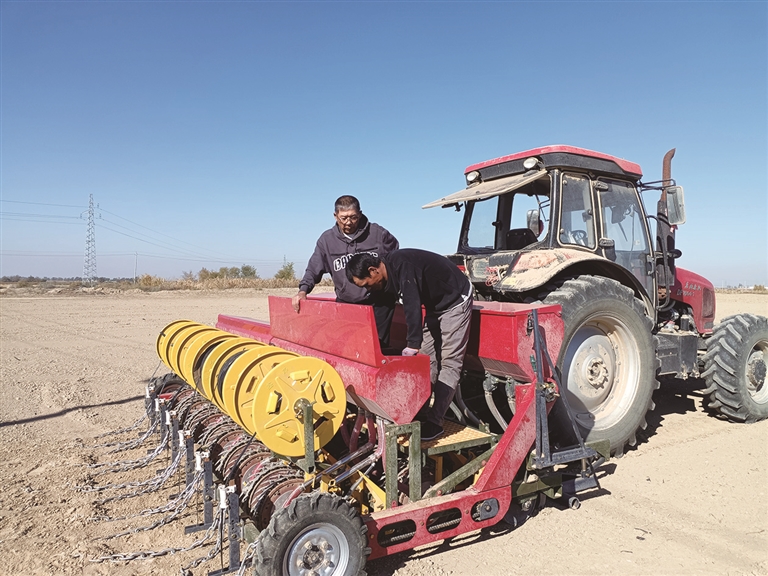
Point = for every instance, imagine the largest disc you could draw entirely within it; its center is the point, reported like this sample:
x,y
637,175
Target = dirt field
x,y
692,498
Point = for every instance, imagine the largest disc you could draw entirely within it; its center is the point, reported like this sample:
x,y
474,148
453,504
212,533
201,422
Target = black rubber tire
x,y
610,384
735,368
312,517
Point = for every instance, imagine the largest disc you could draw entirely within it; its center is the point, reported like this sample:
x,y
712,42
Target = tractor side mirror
x,y
675,205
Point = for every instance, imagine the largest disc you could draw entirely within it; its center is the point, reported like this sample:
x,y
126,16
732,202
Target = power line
x,y
44,204
41,221
155,231
38,215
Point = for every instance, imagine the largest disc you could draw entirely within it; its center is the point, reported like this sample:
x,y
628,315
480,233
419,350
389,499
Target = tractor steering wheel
x,y
579,237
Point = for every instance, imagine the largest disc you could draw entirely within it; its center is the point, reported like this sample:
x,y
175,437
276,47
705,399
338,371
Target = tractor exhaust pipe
x,y
665,238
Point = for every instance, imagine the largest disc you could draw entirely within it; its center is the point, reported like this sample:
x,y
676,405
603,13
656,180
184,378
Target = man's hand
x,y
296,300
410,351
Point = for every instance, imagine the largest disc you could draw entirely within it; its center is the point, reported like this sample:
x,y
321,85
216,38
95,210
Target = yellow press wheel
x,y
215,361
195,351
180,343
166,337
276,411
243,377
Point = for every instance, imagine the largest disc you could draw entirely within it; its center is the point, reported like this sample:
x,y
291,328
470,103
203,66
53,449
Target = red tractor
x,y
564,225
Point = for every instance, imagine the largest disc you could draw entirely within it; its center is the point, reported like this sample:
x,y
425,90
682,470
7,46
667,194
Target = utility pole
x,y
135,265
89,267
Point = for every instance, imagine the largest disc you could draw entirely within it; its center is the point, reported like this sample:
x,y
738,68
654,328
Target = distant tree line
x,y
286,272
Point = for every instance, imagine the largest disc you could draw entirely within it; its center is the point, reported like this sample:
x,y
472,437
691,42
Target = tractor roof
x,y
558,156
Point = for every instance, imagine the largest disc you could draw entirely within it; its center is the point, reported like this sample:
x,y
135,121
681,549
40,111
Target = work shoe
x,y
430,431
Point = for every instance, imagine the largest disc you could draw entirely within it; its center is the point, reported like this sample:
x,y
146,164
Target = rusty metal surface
x,y
529,270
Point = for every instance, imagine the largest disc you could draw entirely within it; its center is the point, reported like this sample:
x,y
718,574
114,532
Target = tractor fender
x,y
522,272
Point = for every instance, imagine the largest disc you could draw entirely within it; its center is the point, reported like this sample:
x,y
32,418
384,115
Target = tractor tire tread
x,y
573,294
725,367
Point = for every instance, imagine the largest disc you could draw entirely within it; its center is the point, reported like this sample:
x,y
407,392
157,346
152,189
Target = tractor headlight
x,y
473,176
531,162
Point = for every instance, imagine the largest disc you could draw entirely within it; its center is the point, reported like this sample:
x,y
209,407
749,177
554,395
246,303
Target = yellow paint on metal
x,y
212,365
180,341
192,355
282,431
166,336
257,385
244,376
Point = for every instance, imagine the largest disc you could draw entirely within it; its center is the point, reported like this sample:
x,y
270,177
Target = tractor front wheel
x,y
735,368
318,534
608,358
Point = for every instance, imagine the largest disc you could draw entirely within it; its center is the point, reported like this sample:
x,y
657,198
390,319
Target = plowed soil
x,y
691,498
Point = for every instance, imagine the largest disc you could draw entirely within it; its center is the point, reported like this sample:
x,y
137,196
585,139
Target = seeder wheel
x,y
318,534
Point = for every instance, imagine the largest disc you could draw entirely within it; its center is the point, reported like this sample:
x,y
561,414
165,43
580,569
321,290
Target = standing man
x,y
352,234
425,278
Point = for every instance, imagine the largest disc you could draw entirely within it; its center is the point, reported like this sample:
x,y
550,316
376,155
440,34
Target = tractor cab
x,y
580,205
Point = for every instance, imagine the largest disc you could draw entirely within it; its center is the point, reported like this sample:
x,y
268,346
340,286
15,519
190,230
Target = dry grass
x,y
146,283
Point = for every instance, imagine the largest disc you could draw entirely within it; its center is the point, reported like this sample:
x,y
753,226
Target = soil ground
x,y
691,498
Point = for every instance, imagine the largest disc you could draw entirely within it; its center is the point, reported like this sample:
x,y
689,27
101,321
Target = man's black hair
x,y
347,202
358,265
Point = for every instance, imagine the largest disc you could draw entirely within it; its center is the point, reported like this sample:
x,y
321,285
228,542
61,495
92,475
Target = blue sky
x,y
219,133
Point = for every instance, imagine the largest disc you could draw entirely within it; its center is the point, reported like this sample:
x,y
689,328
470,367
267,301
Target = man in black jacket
x,y
425,278
352,234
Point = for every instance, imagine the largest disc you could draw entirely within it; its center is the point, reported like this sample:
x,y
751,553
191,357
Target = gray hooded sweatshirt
x,y
333,251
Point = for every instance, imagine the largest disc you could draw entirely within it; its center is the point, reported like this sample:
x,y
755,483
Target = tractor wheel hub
x,y
756,371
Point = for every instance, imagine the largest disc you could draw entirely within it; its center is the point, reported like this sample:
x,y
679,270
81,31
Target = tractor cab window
x,y
577,222
482,227
508,222
623,222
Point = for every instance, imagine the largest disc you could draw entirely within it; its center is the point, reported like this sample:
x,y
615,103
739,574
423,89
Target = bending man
x,y
425,278
353,233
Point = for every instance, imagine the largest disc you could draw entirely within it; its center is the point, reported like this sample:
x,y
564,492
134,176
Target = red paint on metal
x,y
420,511
515,444
626,165
396,387
500,333
344,335
689,288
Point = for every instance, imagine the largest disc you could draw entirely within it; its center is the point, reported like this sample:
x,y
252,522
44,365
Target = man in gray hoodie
x,y
352,234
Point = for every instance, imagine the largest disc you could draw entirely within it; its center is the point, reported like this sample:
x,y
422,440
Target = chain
x,y
135,424
180,504
129,444
125,465
182,499
215,549
144,554
152,484
130,428
248,555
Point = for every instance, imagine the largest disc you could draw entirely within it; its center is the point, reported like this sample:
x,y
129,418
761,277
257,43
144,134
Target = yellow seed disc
x,y
166,339
242,378
190,360
275,409
212,365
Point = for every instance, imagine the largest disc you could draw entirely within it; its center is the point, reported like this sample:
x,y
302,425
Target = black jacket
x,y
424,278
333,251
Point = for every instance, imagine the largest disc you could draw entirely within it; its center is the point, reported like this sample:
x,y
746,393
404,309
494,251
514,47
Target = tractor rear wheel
x,y
735,368
607,359
318,534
